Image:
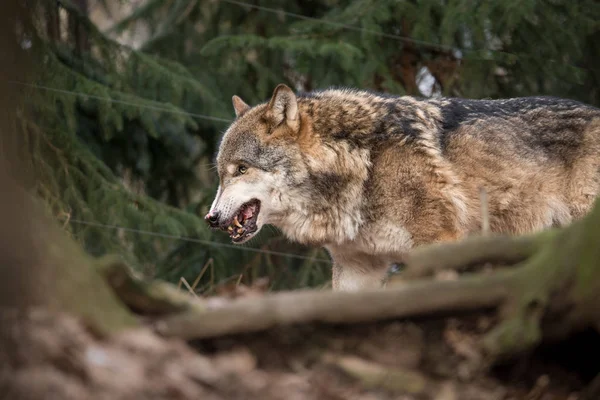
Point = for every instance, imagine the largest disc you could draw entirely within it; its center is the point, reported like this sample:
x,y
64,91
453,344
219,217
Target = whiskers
x,y
209,166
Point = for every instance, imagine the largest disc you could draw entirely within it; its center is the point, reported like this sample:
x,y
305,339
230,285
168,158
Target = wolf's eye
x,y
242,169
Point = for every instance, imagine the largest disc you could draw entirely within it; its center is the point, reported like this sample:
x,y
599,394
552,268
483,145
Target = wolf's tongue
x,y
248,212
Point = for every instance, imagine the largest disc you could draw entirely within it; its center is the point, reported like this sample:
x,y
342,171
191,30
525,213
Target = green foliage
x,y
129,138
117,148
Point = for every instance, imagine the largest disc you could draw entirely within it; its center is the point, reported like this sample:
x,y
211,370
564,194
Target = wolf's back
x,y
529,127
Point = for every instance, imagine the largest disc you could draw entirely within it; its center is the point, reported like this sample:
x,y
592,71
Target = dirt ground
x,y
50,356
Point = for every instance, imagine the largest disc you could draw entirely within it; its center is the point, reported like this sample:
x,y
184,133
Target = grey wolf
x,y
369,176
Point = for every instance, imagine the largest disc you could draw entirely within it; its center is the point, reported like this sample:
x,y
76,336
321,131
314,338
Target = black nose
x,y
212,219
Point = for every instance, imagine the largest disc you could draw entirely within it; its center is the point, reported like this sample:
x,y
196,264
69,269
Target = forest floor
x,y
54,356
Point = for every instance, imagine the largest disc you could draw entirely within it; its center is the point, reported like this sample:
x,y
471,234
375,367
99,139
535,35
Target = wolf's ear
x,y
239,105
283,106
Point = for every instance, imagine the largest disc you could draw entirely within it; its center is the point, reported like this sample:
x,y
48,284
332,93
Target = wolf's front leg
x,y
350,277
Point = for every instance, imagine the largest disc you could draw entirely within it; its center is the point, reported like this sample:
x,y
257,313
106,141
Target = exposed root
x,y
147,298
254,314
427,260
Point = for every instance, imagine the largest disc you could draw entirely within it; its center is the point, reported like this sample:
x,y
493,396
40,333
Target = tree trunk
x,y
407,63
52,21
40,266
78,33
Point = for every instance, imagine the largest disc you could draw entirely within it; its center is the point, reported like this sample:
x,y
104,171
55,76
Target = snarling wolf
x,y
370,176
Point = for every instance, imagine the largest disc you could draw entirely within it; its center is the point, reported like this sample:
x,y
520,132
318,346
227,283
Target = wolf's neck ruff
x,y
370,176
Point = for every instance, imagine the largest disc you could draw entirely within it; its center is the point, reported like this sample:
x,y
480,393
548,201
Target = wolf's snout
x,y
212,219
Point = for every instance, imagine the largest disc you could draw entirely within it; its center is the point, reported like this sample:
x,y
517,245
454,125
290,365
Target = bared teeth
x,y
236,236
240,230
230,228
236,222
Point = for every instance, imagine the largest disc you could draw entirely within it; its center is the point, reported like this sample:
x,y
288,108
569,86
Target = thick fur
x,y
369,176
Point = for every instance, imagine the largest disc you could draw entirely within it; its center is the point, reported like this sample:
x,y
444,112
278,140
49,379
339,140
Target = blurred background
x,y
125,118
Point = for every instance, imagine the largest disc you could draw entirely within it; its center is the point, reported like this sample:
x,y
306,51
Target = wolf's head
x,y
274,169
